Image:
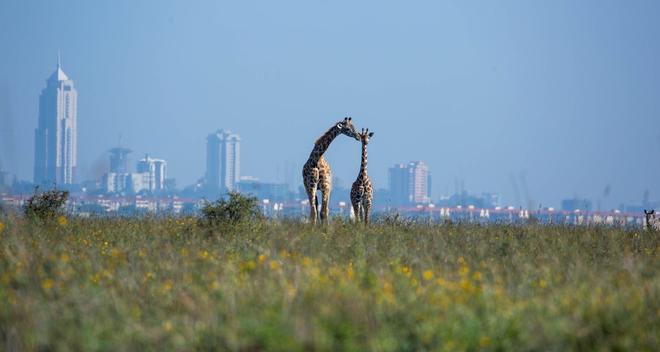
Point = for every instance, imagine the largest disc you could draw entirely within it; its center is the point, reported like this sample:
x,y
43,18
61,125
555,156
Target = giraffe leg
x,y
311,185
325,206
356,211
311,194
367,210
325,185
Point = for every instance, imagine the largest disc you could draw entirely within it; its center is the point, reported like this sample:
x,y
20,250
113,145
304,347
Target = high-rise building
x,y
150,175
409,183
222,161
419,184
55,148
154,173
398,184
4,180
119,160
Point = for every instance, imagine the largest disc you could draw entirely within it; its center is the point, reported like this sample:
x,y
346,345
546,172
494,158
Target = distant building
x,y
55,139
119,160
150,175
222,161
464,199
409,183
575,204
398,184
170,184
5,180
113,182
278,192
419,182
153,173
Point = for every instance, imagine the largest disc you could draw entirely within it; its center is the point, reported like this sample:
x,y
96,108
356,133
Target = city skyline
x,y
223,160
517,99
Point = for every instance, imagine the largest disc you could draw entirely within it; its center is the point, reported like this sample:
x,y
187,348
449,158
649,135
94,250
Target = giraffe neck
x,y
323,143
363,165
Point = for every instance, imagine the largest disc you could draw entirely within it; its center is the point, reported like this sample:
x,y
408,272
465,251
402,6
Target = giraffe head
x,y
346,127
650,215
365,135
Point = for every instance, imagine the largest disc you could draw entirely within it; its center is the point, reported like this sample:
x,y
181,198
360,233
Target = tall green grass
x,y
170,284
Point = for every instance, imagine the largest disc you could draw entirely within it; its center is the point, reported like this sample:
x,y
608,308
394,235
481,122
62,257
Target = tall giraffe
x,y
316,171
362,192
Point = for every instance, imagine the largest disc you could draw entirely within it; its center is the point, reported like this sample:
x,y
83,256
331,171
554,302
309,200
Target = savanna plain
x,y
178,284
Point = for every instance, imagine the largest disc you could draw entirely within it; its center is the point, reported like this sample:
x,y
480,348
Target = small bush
x,y
237,209
393,218
47,205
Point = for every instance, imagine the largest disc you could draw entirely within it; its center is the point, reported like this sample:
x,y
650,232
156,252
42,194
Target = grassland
x,y
171,284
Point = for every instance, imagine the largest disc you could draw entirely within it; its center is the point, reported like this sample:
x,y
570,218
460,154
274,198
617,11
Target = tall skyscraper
x,y
398,184
419,184
55,142
154,173
410,183
222,161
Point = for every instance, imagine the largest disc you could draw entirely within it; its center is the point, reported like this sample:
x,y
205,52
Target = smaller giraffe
x,y
362,192
652,221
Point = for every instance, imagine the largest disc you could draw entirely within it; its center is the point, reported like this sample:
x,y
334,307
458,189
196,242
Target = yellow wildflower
x,y
248,265
167,286
428,275
406,271
387,287
167,325
466,286
464,270
96,278
350,273
476,276
542,283
261,258
114,253
61,220
47,284
274,265
314,272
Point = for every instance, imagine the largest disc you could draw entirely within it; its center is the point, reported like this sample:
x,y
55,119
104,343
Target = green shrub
x,y
46,205
237,209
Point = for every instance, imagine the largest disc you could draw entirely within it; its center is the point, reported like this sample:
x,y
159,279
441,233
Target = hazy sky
x,y
563,96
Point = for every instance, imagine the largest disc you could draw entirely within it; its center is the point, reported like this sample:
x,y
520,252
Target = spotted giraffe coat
x,y
362,190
